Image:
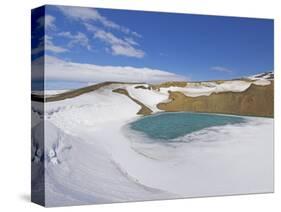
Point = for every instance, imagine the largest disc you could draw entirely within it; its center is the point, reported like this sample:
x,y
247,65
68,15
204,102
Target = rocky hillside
x,y
255,101
252,95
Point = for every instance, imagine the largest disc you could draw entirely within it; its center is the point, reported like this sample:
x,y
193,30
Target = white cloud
x,y
79,38
131,41
38,49
37,69
136,34
118,46
47,21
57,69
40,21
128,51
46,42
90,14
115,45
109,38
221,69
49,46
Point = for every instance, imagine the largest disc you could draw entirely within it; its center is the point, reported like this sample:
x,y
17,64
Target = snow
x,y
92,157
80,165
262,76
218,160
148,97
37,92
37,113
207,88
54,92
262,82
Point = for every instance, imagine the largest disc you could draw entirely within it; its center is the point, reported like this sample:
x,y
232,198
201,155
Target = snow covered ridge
x,y
265,75
208,88
191,89
151,95
195,89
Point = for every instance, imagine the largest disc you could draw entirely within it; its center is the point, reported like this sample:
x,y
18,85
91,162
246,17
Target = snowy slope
x,y
92,157
207,88
148,97
93,176
84,172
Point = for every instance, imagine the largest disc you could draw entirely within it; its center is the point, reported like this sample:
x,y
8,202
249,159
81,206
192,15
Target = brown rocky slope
x,y
255,101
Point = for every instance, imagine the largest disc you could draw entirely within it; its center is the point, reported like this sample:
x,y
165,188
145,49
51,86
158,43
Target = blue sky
x,y
190,47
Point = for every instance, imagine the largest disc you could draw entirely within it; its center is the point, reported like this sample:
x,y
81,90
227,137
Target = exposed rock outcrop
x,y
255,101
169,84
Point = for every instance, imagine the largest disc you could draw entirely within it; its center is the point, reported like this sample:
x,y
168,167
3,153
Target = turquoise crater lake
x,y
174,125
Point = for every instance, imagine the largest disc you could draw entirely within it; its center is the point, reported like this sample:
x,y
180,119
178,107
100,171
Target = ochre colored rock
x,y
169,84
255,101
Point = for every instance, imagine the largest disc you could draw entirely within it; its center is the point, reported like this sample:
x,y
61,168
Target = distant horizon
x,y
86,45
